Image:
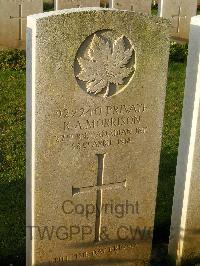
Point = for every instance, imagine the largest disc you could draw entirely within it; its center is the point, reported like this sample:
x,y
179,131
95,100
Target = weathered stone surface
x,y
185,226
13,15
94,134
180,13
143,6
63,4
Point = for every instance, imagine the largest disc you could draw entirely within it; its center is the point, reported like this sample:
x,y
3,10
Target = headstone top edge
x,y
66,11
35,17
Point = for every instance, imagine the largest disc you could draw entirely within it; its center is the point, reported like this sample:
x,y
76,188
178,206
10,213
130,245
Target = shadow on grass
x,y
12,223
191,262
169,152
165,196
163,209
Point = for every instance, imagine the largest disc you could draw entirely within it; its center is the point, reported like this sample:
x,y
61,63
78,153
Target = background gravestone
x,y
180,13
185,223
95,101
62,4
143,6
13,15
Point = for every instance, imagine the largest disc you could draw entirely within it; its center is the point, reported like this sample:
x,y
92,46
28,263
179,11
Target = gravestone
x,y
184,243
64,4
180,13
13,15
95,100
143,6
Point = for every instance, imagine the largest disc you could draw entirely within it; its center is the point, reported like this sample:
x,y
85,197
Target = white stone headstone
x,y
143,6
95,102
179,12
13,15
184,245
65,4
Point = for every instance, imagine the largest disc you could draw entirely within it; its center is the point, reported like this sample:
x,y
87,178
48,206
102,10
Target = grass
x,y
169,152
48,5
12,173
154,11
171,130
12,155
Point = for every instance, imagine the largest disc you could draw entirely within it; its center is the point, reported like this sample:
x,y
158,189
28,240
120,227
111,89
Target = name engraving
x,y
101,126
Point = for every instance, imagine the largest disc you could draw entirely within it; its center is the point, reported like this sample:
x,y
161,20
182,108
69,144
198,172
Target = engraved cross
x,y
179,17
20,17
99,188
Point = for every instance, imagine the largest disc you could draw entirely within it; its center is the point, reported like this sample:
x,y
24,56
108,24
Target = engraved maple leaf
x,y
105,65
